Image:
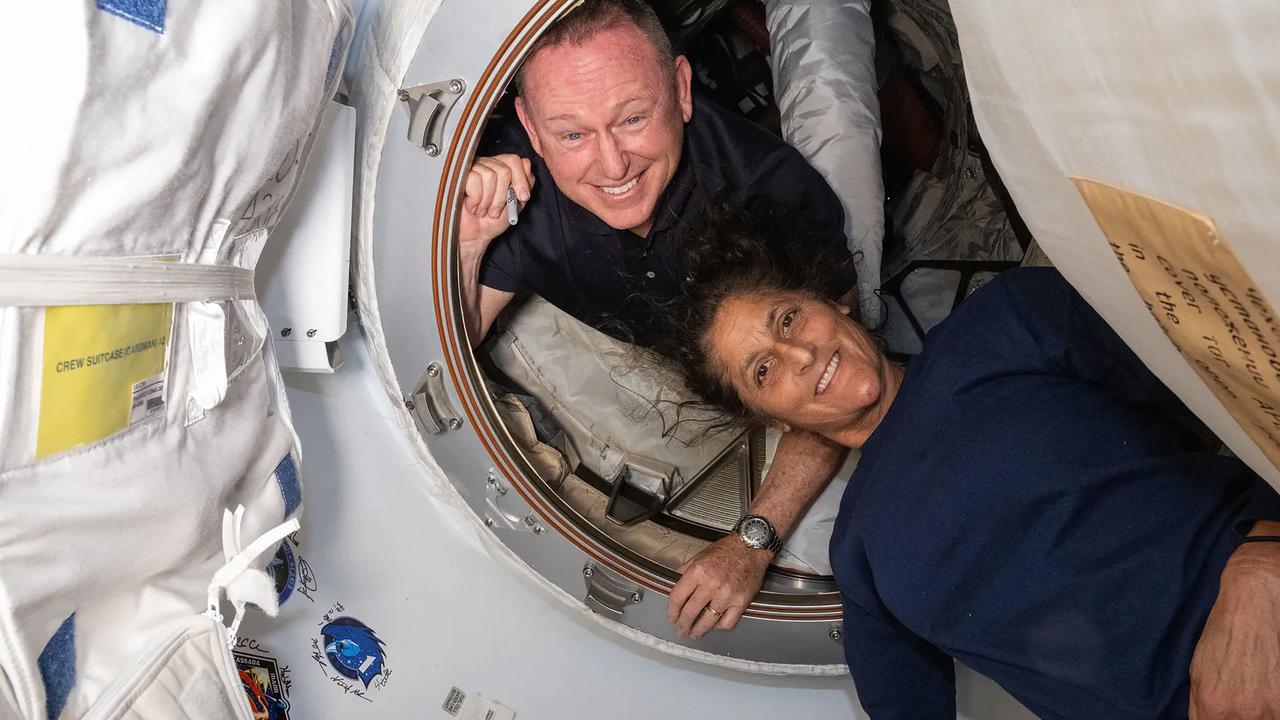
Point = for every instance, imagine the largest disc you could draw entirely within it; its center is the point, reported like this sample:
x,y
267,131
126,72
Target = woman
x,y
1030,499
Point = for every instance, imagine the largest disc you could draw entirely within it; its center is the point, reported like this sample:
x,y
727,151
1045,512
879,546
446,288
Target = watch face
x,y
755,532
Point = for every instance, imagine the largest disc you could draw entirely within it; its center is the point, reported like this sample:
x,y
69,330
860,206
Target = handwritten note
x,y
1203,300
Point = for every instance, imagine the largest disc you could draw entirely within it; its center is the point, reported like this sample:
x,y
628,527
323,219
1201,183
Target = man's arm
x,y
481,303
1235,671
728,574
483,218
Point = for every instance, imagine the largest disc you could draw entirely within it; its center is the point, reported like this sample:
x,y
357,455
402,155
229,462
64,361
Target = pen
x,y
513,212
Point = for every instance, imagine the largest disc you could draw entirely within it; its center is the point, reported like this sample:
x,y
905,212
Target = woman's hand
x,y
1235,672
718,585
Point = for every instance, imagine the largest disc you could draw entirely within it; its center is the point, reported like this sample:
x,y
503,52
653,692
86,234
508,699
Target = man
x,y
610,162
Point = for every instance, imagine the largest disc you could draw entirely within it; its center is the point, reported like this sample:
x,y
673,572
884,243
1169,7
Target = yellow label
x,y
103,370
1202,298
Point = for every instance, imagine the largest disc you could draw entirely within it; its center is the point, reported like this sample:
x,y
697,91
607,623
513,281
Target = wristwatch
x,y
757,532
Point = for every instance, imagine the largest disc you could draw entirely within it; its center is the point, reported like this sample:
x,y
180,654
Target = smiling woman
x,y
761,279
1000,513
791,355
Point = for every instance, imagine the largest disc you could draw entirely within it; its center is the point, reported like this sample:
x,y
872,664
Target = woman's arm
x,y
1235,672
728,574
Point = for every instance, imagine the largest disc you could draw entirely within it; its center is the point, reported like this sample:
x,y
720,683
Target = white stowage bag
x,y
1172,100
148,149
613,401
823,60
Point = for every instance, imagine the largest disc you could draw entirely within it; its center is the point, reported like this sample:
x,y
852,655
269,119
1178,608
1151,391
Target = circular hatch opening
x,y
557,437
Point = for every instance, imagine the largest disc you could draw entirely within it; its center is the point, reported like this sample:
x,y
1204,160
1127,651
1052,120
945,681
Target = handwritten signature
x,y
306,580
248,643
337,608
318,655
349,689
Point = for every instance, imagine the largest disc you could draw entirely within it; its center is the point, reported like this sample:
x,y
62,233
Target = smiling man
x,y
612,160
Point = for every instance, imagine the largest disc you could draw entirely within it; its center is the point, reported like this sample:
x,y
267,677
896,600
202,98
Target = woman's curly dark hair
x,y
735,248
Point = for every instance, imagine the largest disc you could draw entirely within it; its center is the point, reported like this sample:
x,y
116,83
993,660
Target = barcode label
x,y
453,701
148,399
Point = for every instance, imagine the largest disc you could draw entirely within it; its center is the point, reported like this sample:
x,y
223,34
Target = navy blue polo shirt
x,y
1037,505
611,278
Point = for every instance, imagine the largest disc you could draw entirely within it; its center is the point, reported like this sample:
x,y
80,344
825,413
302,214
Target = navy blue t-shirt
x,y
1037,505
612,279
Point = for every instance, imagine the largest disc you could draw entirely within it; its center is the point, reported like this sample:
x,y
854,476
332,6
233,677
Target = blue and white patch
x,y
149,14
353,649
290,490
57,663
283,571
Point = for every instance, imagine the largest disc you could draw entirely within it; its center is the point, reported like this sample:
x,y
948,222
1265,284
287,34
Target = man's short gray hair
x,y
594,16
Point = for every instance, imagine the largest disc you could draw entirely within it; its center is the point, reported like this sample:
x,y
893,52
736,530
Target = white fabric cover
x,y
1171,99
188,675
181,138
612,400
824,78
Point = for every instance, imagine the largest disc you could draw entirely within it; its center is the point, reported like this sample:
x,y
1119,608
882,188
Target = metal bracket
x,y
506,511
428,106
430,404
608,594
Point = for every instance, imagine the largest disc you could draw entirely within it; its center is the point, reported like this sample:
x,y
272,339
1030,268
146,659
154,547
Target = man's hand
x,y
1235,671
484,203
717,586
483,218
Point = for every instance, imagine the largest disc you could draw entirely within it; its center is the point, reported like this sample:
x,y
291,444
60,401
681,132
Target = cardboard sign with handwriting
x,y
1203,300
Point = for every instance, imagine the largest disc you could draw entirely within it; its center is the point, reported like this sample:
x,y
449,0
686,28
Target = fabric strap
x,y
243,583
51,280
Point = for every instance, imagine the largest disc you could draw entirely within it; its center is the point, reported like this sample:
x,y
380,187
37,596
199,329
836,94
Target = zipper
x,y
112,703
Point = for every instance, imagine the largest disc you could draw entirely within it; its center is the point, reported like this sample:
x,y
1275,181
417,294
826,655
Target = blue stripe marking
x,y
287,476
335,52
57,663
150,14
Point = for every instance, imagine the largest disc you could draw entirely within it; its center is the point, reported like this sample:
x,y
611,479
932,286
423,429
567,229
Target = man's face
x,y
608,120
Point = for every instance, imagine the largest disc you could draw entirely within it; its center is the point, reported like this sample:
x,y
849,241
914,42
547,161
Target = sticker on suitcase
x,y
103,370
265,685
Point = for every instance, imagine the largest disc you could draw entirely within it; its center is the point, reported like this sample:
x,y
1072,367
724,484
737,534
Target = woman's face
x,y
799,361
